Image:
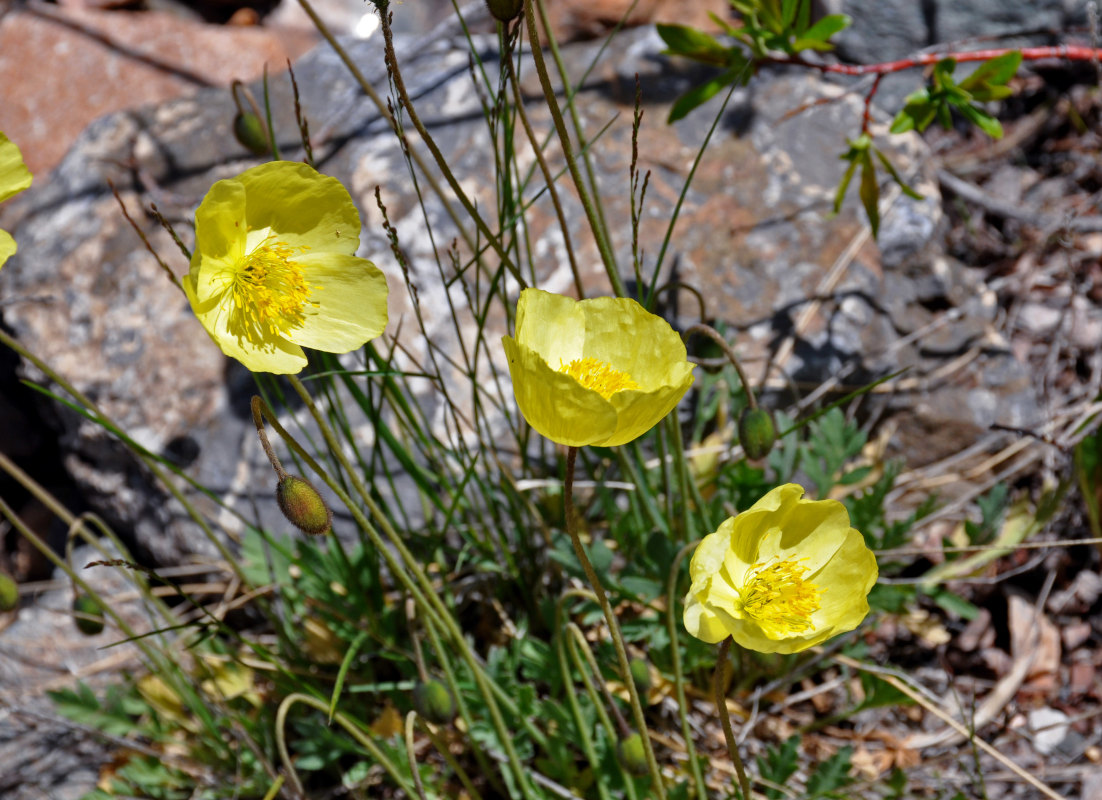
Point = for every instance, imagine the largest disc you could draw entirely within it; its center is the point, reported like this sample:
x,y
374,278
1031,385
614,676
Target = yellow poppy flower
x,y
785,574
594,372
14,178
273,269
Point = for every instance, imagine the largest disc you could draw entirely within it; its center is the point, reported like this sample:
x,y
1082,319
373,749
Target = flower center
x,y
600,376
270,293
778,598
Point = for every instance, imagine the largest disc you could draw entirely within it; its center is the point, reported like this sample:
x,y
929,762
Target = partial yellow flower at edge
x,y
14,178
782,576
274,268
593,372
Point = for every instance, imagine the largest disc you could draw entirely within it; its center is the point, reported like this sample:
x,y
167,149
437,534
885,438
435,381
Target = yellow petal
x,y
14,175
351,309
614,337
785,574
555,404
306,208
277,356
7,246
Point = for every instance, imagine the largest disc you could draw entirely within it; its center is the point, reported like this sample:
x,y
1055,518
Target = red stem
x,y
1067,52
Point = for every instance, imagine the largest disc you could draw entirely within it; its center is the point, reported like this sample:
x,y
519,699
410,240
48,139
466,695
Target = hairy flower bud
x,y
249,132
505,10
87,614
756,433
302,505
632,755
9,593
434,702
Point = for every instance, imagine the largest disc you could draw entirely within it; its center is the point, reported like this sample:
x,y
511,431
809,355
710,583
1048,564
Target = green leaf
x,y
681,40
831,774
984,121
995,71
907,190
779,764
700,95
953,603
843,185
870,193
891,597
822,30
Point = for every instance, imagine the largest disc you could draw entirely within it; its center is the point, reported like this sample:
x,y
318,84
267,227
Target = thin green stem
x,y
719,689
678,676
572,696
548,177
353,731
610,618
430,143
420,587
384,111
591,213
713,334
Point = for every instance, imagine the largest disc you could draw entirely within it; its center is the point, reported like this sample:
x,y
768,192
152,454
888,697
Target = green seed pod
x,y
434,702
756,432
87,614
505,10
303,506
9,592
249,131
632,755
640,673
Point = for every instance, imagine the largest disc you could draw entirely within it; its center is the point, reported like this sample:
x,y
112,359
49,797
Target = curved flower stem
x,y
719,688
411,717
353,731
599,233
585,663
678,677
419,586
610,618
713,334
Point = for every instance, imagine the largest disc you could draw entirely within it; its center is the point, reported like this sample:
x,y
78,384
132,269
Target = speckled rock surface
x,y
808,292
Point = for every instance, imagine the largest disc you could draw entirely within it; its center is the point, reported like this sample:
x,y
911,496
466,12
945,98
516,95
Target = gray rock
x,y
754,236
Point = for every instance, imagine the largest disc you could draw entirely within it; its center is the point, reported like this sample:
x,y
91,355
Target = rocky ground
x,y
989,291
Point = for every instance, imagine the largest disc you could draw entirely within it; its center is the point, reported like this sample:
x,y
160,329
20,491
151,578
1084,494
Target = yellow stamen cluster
x,y
601,377
270,293
778,598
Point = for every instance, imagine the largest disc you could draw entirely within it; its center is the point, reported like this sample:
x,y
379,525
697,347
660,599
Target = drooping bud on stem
x,y
631,755
248,125
756,432
640,673
301,503
249,131
9,592
88,614
434,702
505,10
